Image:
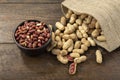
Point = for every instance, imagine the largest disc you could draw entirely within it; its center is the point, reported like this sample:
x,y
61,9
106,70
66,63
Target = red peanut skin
x,y
32,36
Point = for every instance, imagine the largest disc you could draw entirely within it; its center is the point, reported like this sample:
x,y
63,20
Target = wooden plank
x,y
16,66
13,14
30,1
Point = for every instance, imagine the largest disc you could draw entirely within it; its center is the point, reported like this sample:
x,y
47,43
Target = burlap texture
x,y
107,12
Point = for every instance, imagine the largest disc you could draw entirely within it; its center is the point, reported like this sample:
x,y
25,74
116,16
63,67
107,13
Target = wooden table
x,y
14,65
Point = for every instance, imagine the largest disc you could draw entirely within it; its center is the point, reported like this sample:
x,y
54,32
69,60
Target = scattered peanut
x,y
53,36
71,47
62,59
97,25
56,51
73,36
74,55
75,25
98,56
79,21
77,44
84,47
59,26
79,34
67,44
69,13
66,36
70,29
63,21
84,26
82,16
52,45
95,33
80,59
57,32
92,42
63,52
80,51
101,38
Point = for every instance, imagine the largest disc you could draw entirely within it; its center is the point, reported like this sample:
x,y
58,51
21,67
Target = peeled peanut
x,y
101,38
57,32
79,21
80,51
67,44
77,45
62,59
98,56
95,33
79,34
56,51
74,55
80,59
59,26
84,47
92,42
63,52
63,20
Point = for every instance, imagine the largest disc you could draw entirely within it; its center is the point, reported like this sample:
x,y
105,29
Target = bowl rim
x,y
31,48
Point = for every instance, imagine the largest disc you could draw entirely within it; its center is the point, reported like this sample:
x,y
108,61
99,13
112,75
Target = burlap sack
x,y
107,12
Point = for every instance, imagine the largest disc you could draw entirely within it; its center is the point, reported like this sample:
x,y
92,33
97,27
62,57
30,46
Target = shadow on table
x,y
40,63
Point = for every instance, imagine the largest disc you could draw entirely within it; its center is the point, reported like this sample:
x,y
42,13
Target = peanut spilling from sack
x,y
73,37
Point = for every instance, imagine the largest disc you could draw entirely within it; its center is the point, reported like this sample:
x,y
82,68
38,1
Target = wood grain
x,y
12,15
29,1
14,65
